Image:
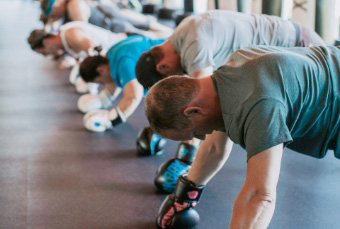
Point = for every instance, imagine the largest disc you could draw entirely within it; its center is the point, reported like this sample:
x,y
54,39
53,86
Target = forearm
x,y
252,211
129,104
254,206
113,89
210,157
133,94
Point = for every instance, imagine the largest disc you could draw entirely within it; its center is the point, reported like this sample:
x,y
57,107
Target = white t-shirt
x,y
98,35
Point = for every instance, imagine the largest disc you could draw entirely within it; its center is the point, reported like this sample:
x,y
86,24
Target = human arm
x,y
211,156
266,132
101,120
255,204
67,61
133,93
103,100
124,76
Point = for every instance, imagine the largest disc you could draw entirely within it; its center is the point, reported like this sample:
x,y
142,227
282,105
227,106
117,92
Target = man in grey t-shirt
x,y
263,98
202,43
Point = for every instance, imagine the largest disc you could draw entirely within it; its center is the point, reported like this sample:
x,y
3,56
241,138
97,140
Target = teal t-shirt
x,y
124,56
272,95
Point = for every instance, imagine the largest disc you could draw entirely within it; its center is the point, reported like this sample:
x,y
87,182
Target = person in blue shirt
x,y
116,71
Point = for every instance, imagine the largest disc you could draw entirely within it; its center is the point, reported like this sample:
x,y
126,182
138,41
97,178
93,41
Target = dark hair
x,y
88,68
36,38
146,72
44,4
166,101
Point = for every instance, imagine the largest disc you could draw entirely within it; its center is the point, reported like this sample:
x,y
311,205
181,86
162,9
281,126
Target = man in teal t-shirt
x,y
117,72
203,42
263,98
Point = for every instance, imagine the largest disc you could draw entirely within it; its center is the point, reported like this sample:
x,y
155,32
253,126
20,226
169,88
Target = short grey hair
x,y
166,102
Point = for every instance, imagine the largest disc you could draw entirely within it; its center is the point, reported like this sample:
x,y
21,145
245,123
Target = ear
x,y
162,67
192,110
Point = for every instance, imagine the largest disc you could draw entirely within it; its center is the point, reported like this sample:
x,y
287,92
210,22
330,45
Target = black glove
x,y
176,211
168,172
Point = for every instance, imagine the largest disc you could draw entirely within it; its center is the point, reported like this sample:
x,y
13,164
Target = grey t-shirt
x,y
208,39
272,95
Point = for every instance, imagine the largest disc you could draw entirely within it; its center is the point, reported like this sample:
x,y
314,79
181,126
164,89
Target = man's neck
x,y
172,54
208,98
169,49
206,87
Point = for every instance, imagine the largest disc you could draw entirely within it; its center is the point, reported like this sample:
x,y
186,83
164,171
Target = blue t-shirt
x,y
271,95
124,56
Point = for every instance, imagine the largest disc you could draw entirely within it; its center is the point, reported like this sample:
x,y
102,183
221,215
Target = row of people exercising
x,y
199,45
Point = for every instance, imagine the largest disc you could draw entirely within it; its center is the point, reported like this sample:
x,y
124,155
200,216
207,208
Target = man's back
x,y
209,38
100,36
271,95
124,55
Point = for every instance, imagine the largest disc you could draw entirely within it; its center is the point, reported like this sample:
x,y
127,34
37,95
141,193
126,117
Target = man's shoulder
x,y
74,34
74,3
122,50
264,55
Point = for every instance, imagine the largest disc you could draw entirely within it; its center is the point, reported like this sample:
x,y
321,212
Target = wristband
x,y
119,117
187,191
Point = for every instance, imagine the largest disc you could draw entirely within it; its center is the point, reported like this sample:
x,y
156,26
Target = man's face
x,y
40,51
104,75
199,131
49,47
167,63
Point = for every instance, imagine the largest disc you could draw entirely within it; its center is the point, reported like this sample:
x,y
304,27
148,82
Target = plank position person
x,y
200,44
264,99
77,39
116,71
107,16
